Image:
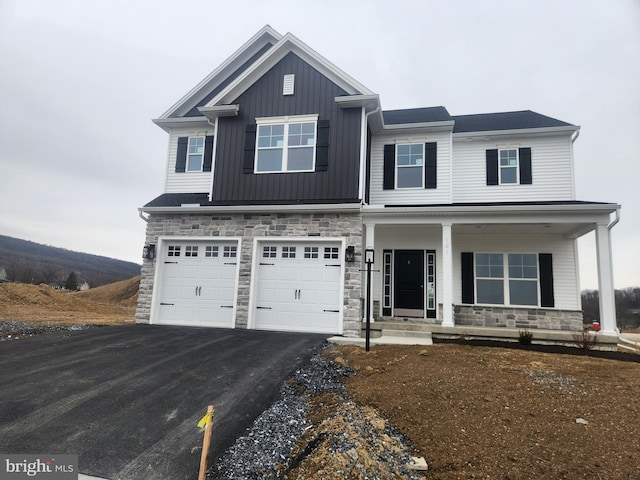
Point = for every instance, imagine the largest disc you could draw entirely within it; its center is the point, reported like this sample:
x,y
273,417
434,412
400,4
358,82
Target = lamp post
x,y
368,259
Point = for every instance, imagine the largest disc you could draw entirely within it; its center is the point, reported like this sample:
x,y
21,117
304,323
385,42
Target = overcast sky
x,y
81,80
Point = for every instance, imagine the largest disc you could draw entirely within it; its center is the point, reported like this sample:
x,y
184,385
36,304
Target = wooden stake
x,y
205,443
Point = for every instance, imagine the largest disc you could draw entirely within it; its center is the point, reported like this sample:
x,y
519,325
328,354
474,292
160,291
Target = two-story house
x,y
282,169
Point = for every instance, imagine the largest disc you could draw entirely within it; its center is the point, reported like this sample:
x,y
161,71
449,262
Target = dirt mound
x,y
123,293
110,304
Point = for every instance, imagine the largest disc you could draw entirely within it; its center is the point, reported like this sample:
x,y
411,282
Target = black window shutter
x,y
492,167
181,158
545,262
468,290
322,146
208,153
249,147
431,162
525,166
388,181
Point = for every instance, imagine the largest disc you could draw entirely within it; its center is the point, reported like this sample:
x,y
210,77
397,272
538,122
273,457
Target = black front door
x,y
409,283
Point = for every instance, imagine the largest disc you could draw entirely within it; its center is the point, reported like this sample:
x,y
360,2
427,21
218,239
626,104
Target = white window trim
x,y
421,187
506,278
500,167
204,146
286,121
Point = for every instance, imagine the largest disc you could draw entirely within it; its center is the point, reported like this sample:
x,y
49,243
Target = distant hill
x,y
30,262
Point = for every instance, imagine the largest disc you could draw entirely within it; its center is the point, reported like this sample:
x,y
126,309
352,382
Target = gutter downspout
x,y
146,219
575,136
363,172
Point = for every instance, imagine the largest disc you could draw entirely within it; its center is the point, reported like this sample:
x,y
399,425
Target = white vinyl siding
x,y
551,166
408,196
187,182
565,283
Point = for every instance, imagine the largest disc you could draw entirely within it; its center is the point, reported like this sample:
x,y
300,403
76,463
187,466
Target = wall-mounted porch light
x,y
350,254
149,251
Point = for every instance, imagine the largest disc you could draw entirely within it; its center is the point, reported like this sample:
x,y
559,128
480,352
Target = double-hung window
x,y
508,166
512,277
410,165
286,145
195,154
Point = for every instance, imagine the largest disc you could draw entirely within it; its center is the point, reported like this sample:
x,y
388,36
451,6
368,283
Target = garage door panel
x,y
198,283
299,293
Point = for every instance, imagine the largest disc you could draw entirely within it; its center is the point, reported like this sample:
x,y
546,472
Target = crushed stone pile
x,y
14,330
346,441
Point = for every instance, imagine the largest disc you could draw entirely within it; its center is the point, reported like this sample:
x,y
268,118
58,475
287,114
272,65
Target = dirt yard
x,y
508,413
490,412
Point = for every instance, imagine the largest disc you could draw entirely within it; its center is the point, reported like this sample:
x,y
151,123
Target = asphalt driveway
x,y
127,399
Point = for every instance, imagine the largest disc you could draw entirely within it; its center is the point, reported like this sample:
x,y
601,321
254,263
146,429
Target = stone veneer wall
x,y
248,226
508,317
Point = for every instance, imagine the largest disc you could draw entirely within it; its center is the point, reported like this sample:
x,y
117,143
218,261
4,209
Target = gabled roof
x,y
523,119
289,43
246,66
231,68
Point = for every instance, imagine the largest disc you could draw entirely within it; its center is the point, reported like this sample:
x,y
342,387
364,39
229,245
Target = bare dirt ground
x,y
508,413
473,411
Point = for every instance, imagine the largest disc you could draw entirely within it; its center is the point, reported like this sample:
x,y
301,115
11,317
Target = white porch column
x,y
447,276
608,324
369,242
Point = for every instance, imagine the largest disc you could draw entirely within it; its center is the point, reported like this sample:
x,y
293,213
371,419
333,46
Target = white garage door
x,y
198,283
298,287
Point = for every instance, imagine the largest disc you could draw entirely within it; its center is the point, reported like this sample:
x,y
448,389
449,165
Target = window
x,y
195,154
174,251
211,251
269,252
519,286
409,165
285,146
229,252
508,166
191,251
288,252
331,253
310,252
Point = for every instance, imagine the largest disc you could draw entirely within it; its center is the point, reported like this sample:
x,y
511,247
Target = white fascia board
x,y
244,53
288,43
462,136
168,123
369,101
212,113
196,208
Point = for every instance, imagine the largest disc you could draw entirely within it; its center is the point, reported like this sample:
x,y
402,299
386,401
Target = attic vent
x,y
287,87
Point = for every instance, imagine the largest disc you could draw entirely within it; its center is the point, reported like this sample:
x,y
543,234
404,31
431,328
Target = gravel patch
x,y
351,432
14,330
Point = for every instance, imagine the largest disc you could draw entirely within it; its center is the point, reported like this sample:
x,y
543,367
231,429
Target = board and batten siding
x,y
565,281
407,196
314,95
551,164
185,182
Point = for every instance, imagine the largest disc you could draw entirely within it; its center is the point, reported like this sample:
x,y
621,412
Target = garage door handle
x,y
226,306
169,262
264,308
333,265
267,263
230,263
162,303
332,311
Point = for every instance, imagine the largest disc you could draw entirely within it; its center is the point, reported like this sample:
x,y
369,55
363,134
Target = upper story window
x,y
409,165
509,166
285,146
195,154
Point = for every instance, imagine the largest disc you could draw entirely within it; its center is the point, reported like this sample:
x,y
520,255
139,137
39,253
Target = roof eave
x,y
197,208
565,129
183,122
